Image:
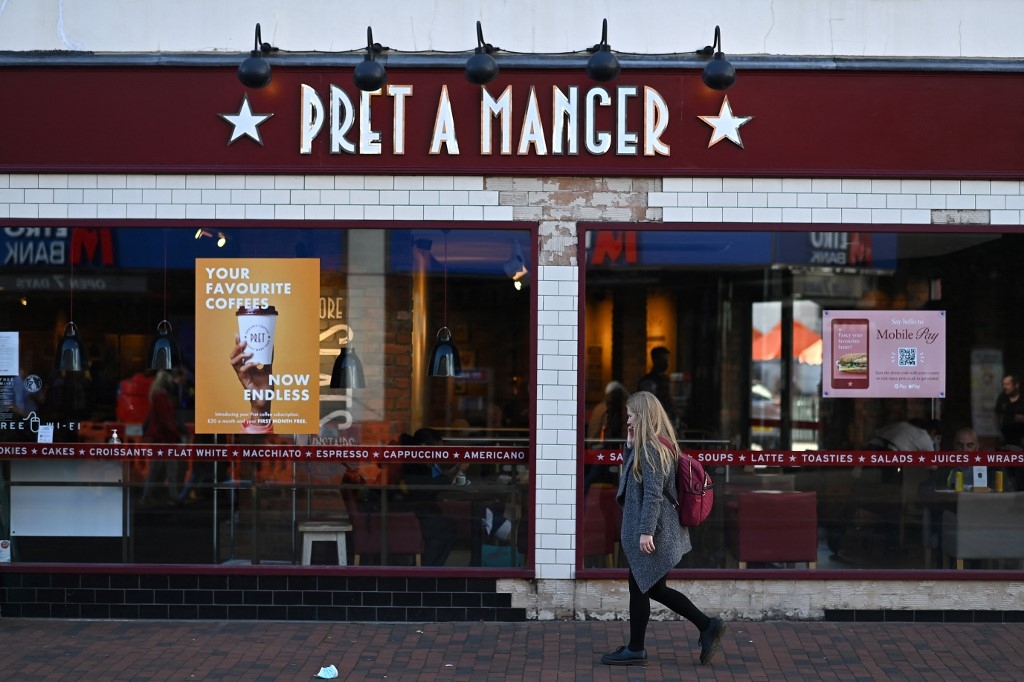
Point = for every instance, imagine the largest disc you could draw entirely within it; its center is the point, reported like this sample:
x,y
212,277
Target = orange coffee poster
x,y
258,321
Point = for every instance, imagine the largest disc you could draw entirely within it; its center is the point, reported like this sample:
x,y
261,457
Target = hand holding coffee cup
x,y
255,378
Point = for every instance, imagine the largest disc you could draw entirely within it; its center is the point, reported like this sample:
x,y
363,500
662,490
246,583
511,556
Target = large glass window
x,y
730,329
407,468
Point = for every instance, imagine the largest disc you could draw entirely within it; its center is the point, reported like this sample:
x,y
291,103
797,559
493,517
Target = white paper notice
x,y
9,354
46,433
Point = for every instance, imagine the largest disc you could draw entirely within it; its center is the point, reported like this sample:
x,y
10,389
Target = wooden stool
x,y
324,531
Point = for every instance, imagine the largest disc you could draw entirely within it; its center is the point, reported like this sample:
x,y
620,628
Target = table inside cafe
x,y
976,523
464,505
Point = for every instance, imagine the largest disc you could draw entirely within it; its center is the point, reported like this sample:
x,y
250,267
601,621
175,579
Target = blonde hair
x,y
163,381
651,424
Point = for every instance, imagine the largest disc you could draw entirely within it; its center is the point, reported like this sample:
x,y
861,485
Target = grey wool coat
x,y
646,509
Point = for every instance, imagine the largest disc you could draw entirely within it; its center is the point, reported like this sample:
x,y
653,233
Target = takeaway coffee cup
x,y
256,326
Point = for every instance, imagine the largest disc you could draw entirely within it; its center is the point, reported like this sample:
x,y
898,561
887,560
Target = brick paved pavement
x,y
556,651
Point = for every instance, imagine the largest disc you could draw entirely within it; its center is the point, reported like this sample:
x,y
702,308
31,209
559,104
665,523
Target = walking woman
x,y
652,538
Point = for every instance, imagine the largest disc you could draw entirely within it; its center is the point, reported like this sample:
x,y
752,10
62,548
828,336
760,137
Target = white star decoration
x,y
245,122
726,125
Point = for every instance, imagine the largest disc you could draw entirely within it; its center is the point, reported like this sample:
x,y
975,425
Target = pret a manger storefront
x,y
557,230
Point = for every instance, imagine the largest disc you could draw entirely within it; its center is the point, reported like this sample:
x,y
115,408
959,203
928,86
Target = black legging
x,y
640,609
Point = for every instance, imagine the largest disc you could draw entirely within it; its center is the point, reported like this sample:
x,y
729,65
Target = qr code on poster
x,y
907,357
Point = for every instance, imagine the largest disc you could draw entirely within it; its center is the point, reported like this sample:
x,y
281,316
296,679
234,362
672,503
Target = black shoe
x,y
625,656
709,638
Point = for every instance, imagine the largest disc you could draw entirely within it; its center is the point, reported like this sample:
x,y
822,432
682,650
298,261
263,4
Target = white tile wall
x,y
839,201
464,198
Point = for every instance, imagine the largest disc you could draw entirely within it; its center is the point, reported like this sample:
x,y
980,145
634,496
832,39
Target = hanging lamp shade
x,y
348,370
69,350
444,357
165,353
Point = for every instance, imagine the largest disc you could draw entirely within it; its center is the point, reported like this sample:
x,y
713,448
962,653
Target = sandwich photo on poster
x,y
883,354
259,321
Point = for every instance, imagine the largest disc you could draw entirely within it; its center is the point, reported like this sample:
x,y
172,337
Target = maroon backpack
x,y
696,490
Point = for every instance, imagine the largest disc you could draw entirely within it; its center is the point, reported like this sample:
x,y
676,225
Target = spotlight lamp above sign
x,y
603,65
254,72
481,68
719,74
370,75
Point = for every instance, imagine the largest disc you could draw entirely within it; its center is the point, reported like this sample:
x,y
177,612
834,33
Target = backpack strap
x,y
674,448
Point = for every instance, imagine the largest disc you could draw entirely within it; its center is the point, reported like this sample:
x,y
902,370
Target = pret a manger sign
x,y
564,121
560,132
650,122
883,353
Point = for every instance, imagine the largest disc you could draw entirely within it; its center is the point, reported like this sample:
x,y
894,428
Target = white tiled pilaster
x,y
557,351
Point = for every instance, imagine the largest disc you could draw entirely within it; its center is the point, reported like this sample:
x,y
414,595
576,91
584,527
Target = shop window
x,y
412,469
736,326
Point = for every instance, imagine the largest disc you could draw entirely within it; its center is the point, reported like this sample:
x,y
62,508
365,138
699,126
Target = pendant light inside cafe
x,y
444,357
164,353
348,369
69,348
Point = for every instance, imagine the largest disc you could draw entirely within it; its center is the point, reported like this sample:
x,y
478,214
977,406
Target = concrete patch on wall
x,y
757,600
961,217
558,243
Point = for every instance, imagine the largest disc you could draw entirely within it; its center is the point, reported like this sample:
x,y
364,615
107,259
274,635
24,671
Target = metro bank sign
x,y
53,246
650,122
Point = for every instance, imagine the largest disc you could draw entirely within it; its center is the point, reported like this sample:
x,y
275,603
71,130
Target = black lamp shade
x,y
348,370
254,72
444,358
369,76
719,74
481,68
69,350
164,353
603,65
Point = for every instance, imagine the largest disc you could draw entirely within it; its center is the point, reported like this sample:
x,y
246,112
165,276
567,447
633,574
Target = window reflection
x,y
740,314
223,496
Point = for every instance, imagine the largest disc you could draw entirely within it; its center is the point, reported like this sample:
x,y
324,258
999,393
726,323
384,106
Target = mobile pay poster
x,y
883,354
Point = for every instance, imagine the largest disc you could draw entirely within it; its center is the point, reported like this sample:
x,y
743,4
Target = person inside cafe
x,y
965,439
874,496
606,430
1009,410
657,381
600,425
162,481
419,492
